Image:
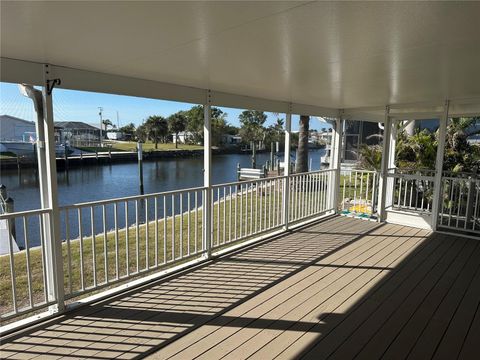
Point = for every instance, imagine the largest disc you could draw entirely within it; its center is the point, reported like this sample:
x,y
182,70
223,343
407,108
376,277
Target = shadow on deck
x,y
342,288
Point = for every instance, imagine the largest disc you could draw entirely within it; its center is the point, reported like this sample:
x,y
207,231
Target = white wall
x,y
13,129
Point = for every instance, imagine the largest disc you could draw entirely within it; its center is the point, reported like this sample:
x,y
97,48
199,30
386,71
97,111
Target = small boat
x,y
26,148
19,148
325,160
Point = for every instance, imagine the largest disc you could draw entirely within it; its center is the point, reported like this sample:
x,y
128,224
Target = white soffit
x,y
331,54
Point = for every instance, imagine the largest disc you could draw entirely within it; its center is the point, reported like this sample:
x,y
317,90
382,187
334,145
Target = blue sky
x,y
70,105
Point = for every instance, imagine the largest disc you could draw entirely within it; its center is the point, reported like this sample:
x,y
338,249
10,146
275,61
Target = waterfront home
x,y
77,133
337,263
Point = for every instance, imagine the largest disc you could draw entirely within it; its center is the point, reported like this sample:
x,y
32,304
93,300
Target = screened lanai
x,y
342,262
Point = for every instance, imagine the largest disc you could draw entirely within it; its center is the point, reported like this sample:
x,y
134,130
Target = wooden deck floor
x,y
339,289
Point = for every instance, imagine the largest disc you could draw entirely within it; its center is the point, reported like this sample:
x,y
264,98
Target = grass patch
x,y
149,146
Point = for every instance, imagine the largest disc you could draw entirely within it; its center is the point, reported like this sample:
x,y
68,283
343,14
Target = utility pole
x,y
118,121
101,125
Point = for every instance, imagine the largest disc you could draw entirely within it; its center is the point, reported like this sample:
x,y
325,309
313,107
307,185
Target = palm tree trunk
x,y
302,150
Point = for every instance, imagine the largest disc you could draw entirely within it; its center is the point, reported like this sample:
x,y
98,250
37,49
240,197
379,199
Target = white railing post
x,y
336,162
53,243
437,187
286,171
382,197
207,177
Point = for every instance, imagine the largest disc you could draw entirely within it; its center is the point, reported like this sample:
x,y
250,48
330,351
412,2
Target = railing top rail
x,y
461,174
129,198
360,171
411,176
313,172
460,178
248,181
24,213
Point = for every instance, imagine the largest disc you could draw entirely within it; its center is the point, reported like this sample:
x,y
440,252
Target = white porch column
x,y
53,243
336,161
386,149
207,177
437,187
286,171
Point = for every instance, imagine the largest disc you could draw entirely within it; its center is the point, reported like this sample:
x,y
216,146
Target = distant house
x,y
183,137
115,135
13,128
77,133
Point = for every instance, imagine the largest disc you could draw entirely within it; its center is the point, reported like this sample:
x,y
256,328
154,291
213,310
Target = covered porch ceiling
x,y
318,55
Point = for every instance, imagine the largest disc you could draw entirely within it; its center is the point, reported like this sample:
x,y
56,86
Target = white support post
x,y
53,243
207,177
437,190
336,161
389,192
387,134
286,171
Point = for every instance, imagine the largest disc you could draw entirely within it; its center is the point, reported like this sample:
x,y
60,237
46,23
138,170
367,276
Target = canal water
x,y
90,183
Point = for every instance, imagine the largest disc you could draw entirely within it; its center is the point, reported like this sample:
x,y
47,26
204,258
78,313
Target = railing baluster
x,y
69,249
80,236
241,210
127,245
12,266
156,230
181,225
105,243
94,250
224,215
147,240
236,211
165,223
188,222
230,213
29,271
196,221
173,227
137,236
218,216
117,248
44,257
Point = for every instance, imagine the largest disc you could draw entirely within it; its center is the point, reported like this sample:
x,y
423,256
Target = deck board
x,y
342,288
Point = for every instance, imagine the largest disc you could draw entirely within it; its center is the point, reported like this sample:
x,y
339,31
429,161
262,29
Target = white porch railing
x,y
108,242
410,190
359,192
25,285
460,202
114,240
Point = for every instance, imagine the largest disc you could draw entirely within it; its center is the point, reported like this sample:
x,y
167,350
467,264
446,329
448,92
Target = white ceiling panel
x,y
331,54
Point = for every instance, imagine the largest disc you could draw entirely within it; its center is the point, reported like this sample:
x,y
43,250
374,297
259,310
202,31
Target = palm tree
x,y
157,129
176,124
302,150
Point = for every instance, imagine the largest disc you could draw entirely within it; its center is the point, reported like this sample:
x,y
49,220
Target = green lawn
x,y
235,227
132,146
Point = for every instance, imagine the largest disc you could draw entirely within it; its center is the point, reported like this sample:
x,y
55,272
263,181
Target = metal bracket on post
x,y
50,85
286,171
437,190
207,177
53,244
385,161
